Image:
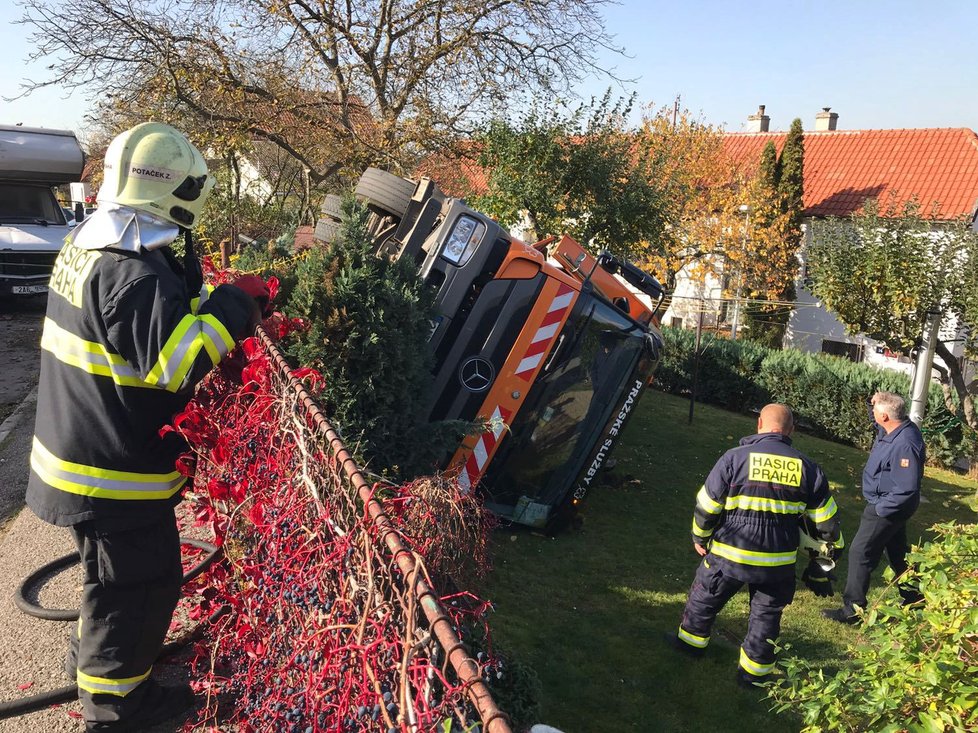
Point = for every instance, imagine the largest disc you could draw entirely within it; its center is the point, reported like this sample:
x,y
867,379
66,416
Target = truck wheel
x,y
384,192
332,207
326,230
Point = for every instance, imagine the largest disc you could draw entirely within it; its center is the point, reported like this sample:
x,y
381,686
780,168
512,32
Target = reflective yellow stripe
x,y
89,356
77,478
824,512
700,532
706,503
751,557
173,351
205,293
762,504
699,642
181,350
222,333
749,665
105,686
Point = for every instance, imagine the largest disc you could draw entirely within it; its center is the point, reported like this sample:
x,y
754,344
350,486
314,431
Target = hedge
x,y
828,394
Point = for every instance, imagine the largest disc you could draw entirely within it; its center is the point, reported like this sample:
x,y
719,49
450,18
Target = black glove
x,y
818,581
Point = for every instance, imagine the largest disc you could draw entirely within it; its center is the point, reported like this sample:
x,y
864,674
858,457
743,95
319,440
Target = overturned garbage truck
x,y
549,344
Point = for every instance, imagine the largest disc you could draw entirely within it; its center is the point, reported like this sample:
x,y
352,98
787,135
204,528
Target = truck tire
x,y
332,207
326,230
384,192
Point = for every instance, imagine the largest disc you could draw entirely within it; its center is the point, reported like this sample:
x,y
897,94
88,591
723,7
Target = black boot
x,y
748,681
160,703
841,615
682,647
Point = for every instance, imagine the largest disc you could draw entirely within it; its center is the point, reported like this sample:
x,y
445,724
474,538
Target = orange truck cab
x,y
549,344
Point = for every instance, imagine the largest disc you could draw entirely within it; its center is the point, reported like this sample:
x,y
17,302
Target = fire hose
x,y
24,705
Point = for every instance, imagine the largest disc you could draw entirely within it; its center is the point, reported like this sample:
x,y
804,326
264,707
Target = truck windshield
x,y
22,203
572,404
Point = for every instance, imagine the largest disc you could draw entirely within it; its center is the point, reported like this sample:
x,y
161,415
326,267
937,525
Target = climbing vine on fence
x,y
321,630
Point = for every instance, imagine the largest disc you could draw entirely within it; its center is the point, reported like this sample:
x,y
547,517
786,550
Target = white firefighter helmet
x,y
154,168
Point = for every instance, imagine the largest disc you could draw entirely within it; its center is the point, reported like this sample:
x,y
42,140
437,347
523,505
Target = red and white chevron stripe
x,y
477,461
545,335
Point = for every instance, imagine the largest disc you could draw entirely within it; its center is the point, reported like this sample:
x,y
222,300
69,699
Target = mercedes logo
x,y
476,374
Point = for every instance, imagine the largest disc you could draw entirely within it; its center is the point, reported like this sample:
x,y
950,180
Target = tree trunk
x,y
956,377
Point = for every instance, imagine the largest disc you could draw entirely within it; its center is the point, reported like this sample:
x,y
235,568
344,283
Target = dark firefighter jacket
x,y
750,507
894,470
123,344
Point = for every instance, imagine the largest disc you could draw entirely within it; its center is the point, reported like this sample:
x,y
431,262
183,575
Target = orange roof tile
x,y
843,168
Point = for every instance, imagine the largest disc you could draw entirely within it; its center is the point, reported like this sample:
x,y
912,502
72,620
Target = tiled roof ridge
x,y
854,131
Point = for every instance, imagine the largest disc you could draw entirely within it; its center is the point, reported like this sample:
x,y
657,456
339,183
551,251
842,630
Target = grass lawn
x,y
588,609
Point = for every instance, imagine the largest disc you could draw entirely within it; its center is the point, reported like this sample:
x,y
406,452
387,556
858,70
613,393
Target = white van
x,y
32,224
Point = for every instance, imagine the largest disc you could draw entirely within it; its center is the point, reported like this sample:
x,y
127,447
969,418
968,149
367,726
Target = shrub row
x,y
827,393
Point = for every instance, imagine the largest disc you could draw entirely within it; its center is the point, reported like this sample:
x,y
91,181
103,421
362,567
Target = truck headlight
x,y
466,233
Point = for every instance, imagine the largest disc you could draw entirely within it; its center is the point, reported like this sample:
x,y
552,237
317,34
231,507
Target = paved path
x,y
32,650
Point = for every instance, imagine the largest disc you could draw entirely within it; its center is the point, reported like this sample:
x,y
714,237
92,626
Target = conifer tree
x,y
368,323
782,179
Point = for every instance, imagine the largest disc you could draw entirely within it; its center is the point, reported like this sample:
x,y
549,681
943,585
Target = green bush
x,y
915,668
368,323
827,393
727,373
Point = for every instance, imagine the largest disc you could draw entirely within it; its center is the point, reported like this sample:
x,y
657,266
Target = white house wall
x,y
690,298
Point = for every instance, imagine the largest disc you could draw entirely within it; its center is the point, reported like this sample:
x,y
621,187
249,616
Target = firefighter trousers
x,y
131,586
708,595
876,534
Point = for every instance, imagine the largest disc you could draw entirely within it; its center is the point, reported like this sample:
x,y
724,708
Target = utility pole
x,y
922,369
745,210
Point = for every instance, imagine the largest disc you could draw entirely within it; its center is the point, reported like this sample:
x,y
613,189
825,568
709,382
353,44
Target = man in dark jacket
x,y
891,487
129,330
746,529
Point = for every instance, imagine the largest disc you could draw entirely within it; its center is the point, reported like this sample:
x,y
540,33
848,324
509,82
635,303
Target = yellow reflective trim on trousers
x,y
89,356
77,478
752,667
752,557
824,512
700,532
105,686
763,504
706,503
699,642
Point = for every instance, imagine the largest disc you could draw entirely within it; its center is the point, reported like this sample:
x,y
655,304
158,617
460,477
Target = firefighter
x,y
891,487
130,329
746,529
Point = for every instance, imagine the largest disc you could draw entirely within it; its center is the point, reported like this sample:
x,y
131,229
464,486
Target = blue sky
x,y
878,64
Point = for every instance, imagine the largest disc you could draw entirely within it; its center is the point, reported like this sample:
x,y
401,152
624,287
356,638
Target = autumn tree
x,y
581,172
724,220
701,198
885,268
336,86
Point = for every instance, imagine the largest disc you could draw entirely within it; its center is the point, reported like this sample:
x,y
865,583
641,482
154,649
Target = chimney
x,y
826,120
759,122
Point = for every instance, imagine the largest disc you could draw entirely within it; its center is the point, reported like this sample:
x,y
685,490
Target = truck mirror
x,y
79,212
